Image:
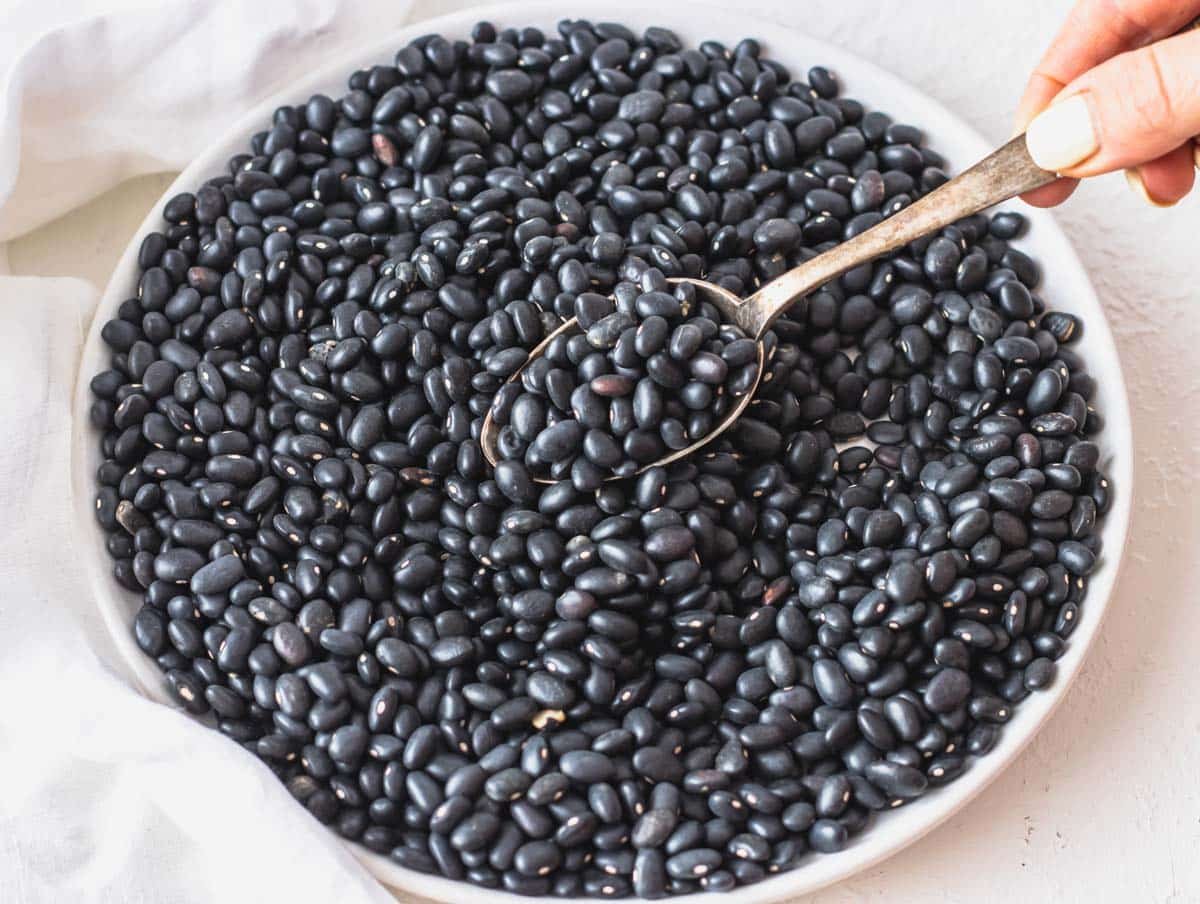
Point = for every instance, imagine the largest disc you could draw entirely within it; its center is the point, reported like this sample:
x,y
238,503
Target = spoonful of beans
x,y
648,390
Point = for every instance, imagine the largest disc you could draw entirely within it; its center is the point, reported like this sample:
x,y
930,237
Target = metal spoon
x,y
1003,174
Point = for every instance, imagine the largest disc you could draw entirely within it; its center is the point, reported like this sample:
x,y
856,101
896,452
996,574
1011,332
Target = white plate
x,y
1066,288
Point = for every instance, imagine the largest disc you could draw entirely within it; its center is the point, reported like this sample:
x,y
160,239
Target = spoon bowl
x,y
723,300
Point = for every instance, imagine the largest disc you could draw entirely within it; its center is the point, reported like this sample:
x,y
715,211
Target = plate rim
x,y
880,841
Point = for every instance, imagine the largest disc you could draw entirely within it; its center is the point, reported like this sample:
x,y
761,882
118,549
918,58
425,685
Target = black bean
x,y
653,828
831,682
1062,326
1077,558
896,780
218,576
177,565
828,836
693,864
776,235
586,766
947,690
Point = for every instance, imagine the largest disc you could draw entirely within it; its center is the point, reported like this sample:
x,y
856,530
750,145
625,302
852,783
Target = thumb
x,y
1130,109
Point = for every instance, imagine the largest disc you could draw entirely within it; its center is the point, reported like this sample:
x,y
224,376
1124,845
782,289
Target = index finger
x,y
1094,31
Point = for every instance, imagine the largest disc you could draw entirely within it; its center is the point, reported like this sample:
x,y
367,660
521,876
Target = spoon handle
x,y
1003,174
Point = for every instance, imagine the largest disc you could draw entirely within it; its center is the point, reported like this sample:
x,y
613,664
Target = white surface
x,y
1102,807
1069,289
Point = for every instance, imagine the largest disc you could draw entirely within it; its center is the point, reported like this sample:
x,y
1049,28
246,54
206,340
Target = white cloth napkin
x,y
104,795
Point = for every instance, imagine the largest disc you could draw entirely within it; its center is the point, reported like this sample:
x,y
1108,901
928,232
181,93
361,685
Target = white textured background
x,y
1105,804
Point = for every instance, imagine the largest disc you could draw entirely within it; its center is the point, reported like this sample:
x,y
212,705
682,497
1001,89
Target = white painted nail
x,y
1134,178
1062,135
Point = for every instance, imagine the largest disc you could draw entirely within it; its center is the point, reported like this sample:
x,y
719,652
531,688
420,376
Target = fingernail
x,y
1196,153
1134,178
1062,135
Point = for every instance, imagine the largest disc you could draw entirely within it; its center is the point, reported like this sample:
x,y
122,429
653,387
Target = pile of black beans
x,y
652,371
691,679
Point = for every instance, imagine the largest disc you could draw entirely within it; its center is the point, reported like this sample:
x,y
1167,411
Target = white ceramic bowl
x,y
1066,287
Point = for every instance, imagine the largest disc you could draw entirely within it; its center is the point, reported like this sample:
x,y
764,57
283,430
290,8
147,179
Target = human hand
x,y
1118,89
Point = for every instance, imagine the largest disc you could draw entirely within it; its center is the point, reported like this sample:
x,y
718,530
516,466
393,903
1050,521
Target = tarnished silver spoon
x,y
1003,174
